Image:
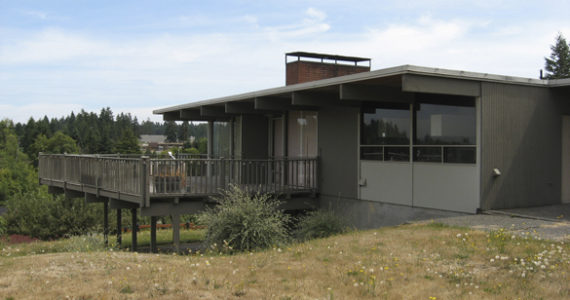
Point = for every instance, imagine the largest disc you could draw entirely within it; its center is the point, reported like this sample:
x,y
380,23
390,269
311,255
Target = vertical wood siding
x,y
521,136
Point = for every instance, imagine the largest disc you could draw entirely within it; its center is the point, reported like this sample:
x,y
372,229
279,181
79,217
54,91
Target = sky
x,y
137,56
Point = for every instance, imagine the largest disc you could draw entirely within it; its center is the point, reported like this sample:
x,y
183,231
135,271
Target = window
x,y
445,129
221,139
302,134
385,133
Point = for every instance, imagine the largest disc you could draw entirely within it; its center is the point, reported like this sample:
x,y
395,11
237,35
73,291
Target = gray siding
x,y
255,136
338,150
521,136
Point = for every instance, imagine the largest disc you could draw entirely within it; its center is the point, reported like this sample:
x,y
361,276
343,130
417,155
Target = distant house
x,y
156,142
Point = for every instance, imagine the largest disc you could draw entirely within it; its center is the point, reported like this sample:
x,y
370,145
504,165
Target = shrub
x,y
320,224
41,215
244,221
3,226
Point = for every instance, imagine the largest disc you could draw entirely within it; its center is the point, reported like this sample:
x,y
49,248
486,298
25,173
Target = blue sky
x,y
136,56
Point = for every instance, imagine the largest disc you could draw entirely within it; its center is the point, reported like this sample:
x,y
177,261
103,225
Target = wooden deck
x,y
138,180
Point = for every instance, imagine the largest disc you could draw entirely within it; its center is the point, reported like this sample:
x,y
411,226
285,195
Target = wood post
x,y
153,246
106,222
119,229
176,232
134,229
210,147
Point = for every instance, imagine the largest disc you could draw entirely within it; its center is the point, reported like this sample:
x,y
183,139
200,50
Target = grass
x,y
91,243
427,261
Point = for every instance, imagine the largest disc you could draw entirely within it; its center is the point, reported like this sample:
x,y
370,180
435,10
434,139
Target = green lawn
x,y
95,242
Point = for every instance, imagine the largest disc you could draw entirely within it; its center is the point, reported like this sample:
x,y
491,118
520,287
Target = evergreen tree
x,y
558,65
183,132
170,132
127,143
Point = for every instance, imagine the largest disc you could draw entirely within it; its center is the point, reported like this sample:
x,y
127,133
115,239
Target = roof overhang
x,y
389,84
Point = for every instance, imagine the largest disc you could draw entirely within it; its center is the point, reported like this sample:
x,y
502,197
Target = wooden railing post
x,y
222,173
145,186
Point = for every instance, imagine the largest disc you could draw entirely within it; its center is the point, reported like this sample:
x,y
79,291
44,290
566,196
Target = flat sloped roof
x,y
394,71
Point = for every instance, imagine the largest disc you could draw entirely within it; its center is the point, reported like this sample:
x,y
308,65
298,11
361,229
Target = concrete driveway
x,y
545,222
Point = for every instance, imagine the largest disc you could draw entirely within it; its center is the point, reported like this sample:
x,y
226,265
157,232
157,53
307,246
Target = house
x,y
379,147
405,142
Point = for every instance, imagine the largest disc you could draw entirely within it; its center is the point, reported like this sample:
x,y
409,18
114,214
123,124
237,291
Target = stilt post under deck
x,y
153,246
176,232
106,222
134,231
119,229
210,146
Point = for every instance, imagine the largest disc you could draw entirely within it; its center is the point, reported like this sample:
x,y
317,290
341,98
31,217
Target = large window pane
x,y
302,134
385,133
443,124
221,139
385,126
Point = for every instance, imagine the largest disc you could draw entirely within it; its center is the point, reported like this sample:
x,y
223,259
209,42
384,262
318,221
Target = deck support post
x,y
119,229
153,246
176,232
210,146
106,222
134,229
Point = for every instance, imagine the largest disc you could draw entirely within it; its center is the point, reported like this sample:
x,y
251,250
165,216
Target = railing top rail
x,y
137,158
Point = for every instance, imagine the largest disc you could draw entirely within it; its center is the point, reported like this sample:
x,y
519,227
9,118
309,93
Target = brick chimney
x,y
305,66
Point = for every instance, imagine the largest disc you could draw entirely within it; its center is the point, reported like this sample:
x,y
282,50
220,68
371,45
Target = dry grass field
x,y
429,261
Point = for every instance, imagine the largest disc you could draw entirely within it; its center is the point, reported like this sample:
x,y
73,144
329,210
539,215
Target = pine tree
x,y
558,65
170,131
184,132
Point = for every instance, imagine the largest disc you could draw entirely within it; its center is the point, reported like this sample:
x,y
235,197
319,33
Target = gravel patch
x,y
551,230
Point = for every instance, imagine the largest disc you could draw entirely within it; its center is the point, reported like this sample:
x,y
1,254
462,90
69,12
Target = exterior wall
x,y
365,214
389,182
446,186
255,136
521,136
304,71
565,159
338,152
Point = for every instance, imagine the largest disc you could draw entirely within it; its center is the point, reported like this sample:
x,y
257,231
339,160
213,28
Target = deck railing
x,y
143,177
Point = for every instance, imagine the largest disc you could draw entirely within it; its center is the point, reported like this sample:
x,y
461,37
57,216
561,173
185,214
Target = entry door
x,y
565,159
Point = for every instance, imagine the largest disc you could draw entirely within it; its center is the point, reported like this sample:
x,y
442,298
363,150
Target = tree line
x,y
30,209
102,133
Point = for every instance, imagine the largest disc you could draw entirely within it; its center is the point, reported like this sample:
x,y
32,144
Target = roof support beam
x,y
171,116
244,108
213,111
190,114
272,103
314,99
438,85
361,92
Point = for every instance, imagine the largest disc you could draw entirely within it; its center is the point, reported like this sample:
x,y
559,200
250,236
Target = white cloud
x,y
315,15
74,70
36,14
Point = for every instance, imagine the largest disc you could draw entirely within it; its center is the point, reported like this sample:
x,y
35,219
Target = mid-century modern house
x,y
379,147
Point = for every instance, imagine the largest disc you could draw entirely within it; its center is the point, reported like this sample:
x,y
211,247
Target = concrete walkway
x,y
547,222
